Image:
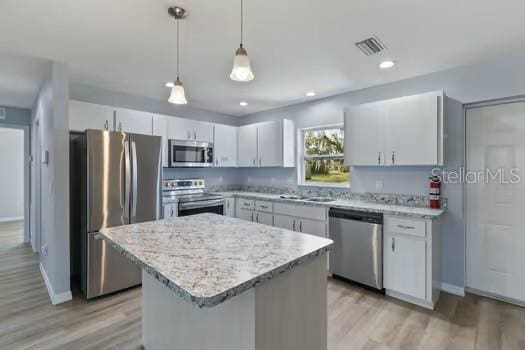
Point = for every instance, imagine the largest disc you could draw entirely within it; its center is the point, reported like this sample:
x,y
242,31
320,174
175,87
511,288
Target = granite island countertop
x,y
386,209
208,258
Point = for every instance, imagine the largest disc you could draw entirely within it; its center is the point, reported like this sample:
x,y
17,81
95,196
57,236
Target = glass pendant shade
x,y
242,70
177,96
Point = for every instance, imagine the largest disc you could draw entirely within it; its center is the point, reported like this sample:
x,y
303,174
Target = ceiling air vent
x,y
371,46
2,113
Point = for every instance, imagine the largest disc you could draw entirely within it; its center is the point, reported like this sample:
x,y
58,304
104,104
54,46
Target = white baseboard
x,y
9,219
452,289
55,298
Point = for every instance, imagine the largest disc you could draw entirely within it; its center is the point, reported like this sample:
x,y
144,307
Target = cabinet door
x,y
365,134
160,128
248,215
229,207
411,136
284,221
247,146
313,227
225,145
180,129
135,122
270,144
83,116
405,265
264,218
202,131
169,211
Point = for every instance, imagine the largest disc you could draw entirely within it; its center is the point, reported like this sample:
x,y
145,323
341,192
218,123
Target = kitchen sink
x,y
295,197
320,200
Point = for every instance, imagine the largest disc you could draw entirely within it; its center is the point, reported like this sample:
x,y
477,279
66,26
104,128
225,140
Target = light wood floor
x,y
357,319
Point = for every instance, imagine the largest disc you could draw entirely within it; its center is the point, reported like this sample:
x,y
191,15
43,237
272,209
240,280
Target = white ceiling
x,y
295,45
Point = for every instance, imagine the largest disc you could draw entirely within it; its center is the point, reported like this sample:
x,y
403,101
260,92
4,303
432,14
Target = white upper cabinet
x,y
191,130
365,134
160,128
83,116
247,146
268,144
135,122
225,145
401,131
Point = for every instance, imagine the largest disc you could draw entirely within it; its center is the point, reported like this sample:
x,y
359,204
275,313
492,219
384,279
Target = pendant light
x,y
242,70
177,95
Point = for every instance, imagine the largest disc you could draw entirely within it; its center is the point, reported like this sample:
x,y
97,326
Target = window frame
x,y
302,157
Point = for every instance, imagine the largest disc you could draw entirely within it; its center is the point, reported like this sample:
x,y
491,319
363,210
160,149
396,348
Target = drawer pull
x,y
264,206
393,244
246,204
406,227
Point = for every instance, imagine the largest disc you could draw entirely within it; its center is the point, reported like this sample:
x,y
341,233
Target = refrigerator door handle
x,y
134,181
127,176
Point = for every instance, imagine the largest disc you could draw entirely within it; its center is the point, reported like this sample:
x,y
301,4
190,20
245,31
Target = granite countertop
x,y
208,258
387,209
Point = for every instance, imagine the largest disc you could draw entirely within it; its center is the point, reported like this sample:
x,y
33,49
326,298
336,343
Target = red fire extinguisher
x,y
435,192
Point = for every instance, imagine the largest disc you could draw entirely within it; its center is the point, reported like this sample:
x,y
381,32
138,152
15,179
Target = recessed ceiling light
x,y
387,64
244,103
310,93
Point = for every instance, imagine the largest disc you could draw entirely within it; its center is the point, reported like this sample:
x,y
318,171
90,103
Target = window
x,y
322,157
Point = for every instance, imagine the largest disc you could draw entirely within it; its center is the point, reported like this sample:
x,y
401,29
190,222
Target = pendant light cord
x,y
242,22
178,49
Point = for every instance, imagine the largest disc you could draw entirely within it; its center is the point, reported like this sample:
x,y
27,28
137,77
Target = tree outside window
x,y
324,157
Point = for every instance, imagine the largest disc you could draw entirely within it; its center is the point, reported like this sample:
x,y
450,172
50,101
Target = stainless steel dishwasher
x,y
358,246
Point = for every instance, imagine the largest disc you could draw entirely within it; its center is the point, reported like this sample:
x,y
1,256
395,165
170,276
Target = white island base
x,y
287,312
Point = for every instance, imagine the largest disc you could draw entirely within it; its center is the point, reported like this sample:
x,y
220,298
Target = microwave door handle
x,y
134,181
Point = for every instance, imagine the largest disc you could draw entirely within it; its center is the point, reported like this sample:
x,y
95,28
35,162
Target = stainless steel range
x,y
188,197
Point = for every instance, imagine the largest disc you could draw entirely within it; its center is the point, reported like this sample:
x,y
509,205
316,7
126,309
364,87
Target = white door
x,y
247,146
495,210
225,145
180,129
134,122
313,227
229,207
244,214
405,265
411,134
284,221
365,134
83,116
160,128
264,218
270,144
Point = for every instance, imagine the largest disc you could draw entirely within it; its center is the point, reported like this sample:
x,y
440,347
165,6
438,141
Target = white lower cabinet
x,y
245,214
264,218
412,259
283,221
169,211
229,207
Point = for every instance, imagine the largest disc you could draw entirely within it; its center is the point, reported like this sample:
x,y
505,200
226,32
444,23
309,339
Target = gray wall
x,y
12,165
51,107
213,177
495,79
97,95
16,116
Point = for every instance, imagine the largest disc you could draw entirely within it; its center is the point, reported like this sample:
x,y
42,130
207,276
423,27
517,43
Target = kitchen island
x,y
213,282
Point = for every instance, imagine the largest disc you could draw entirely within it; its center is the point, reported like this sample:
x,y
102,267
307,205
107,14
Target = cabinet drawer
x,y
246,203
265,206
412,227
301,211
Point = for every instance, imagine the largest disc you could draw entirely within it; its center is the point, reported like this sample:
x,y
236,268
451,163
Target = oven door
x,y
184,154
208,206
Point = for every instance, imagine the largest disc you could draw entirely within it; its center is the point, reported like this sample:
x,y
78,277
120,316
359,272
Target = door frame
x,y
27,176
466,108
36,137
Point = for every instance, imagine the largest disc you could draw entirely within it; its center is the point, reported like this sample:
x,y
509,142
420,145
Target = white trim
x,y
14,218
410,299
55,298
452,289
496,297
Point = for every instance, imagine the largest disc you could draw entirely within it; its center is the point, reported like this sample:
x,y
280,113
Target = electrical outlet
x,y
379,185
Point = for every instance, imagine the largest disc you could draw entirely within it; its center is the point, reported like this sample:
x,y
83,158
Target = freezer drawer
x,y
358,250
107,270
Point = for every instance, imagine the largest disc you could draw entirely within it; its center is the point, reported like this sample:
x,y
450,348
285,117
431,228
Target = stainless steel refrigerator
x,y
118,182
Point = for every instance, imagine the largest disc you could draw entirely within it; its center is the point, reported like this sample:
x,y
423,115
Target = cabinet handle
x,y
393,157
171,215
393,244
264,206
252,216
301,226
194,135
260,161
228,204
189,135
106,125
379,158
406,227
293,225
216,161
254,161
257,218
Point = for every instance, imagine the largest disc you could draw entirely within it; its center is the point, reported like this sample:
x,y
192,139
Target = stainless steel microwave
x,y
190,154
